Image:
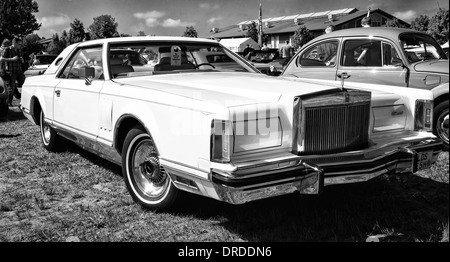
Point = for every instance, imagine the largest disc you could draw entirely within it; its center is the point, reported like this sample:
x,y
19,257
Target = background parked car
x,y
267,61
40,63
380,55
3,100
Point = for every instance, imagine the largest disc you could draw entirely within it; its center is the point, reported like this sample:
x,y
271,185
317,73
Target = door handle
x,y
58,93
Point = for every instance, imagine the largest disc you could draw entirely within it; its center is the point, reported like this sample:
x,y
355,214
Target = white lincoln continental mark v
x,y
176,115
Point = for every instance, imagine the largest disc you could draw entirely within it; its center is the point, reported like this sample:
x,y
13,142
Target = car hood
x,y
434,66
226,89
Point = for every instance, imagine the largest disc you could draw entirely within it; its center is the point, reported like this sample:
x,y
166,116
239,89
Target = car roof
x,y
387,32
147,38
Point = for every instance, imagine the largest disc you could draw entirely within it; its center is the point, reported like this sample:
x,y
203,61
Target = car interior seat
x,y
117,67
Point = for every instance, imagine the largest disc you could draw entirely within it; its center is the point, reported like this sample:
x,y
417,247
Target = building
x,y
280,29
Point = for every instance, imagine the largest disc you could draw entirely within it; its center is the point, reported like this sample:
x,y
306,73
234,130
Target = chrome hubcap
x,y
150,178
442,126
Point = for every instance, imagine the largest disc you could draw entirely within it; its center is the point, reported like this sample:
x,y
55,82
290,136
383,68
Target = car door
x,y
371,60
76,97
318,61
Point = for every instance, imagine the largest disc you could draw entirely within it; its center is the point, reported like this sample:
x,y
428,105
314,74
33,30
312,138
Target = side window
x,y
323,54
390,55
364,52
86,62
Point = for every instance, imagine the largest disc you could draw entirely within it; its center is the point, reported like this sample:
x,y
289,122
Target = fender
x,y
440,90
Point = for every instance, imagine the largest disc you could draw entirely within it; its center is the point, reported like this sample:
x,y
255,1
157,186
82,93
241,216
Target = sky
x,y
171,17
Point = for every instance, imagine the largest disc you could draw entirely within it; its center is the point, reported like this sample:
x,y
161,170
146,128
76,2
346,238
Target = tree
x,y
421,23
56,46
31,45
64,40
190,32
141,33
393,23
439,26
252,31
104,26
17,18
76,32
301,36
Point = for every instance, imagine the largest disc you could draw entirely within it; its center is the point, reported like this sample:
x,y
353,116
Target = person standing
x,y
15,67
286,51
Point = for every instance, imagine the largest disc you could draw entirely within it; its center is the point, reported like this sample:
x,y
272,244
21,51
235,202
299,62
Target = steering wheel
x,y
208,64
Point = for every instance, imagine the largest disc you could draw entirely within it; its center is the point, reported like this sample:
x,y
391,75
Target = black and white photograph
x,y
235,124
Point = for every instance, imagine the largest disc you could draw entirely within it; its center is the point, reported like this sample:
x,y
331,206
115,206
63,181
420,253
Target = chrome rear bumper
x,y
250,181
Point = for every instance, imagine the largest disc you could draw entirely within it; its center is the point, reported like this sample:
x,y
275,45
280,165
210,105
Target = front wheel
x,y
146,180
441,122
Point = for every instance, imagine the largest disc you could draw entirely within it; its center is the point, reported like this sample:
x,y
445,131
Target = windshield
x,y
420,47
155,58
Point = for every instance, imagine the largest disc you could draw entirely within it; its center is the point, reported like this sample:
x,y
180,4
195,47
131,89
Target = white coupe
x,y
223,130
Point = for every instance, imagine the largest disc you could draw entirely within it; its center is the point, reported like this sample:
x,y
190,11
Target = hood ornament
x,y
343,76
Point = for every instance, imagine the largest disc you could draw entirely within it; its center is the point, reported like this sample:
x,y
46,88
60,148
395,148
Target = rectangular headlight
x,y
257,134
423,117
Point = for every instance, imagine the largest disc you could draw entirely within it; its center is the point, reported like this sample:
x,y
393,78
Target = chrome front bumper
x,y
254,180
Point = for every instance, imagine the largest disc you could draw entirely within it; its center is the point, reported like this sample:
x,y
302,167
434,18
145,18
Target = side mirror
x,y
86,72
397,62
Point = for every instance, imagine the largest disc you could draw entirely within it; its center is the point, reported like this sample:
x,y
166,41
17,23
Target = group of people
x,y
11,61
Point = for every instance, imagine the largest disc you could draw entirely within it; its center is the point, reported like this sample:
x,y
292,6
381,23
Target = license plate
x,y
424,160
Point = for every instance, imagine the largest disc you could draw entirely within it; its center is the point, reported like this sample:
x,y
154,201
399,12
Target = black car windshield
x,y
155,58
420,47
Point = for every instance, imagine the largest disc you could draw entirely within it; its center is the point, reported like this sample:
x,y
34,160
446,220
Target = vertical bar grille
x,y
335,129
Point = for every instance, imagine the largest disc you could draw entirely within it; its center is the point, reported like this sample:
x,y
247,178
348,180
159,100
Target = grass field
x,y
76,196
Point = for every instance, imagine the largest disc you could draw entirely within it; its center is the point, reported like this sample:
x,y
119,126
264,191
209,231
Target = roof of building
x,y
289,24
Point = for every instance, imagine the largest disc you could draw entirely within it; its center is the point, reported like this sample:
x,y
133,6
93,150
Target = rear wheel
x,y
48,134
441,122
147,182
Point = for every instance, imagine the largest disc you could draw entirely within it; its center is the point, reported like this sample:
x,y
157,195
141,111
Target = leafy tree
x,y
141,33
439,26
124,35
301,36
31,45
104,26
252,31
190,32
421,23
393,23
17,18
76,32
55,47
64,40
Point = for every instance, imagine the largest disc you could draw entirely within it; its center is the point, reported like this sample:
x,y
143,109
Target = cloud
x,y
175,23
208,6
406,15
154,19
150,14
52,21
212,20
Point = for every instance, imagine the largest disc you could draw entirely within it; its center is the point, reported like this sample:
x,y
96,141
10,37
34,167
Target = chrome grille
x,y
332,123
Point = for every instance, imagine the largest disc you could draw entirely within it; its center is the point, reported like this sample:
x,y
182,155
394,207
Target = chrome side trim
x,y
95,147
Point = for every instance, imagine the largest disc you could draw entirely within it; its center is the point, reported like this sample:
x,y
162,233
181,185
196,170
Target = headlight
x,y
388,118
257,134
242,136
423,117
